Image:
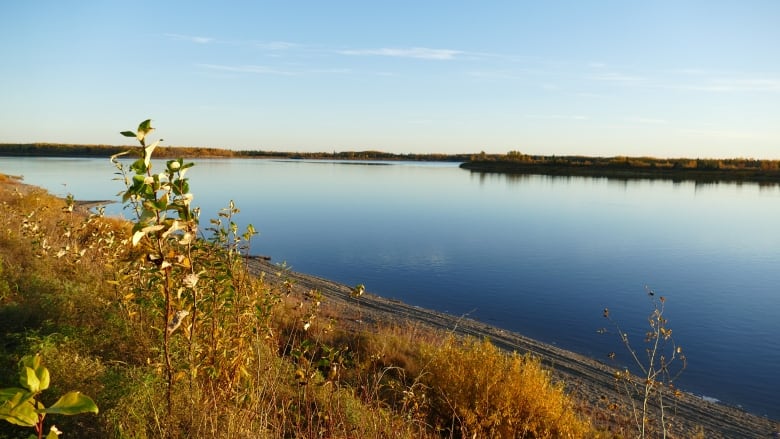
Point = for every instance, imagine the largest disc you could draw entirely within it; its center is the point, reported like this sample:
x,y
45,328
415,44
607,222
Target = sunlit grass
x,y
72,289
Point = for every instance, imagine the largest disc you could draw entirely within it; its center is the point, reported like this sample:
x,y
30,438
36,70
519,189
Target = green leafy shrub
x,y
22,406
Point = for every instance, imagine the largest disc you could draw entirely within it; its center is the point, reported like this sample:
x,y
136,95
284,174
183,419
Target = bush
x,y
476,390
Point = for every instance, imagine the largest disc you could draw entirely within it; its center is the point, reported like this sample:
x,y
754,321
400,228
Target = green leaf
x,y
8,393
138,166
29,380
144,128
19,409
31,361
72,403
127,133
43,376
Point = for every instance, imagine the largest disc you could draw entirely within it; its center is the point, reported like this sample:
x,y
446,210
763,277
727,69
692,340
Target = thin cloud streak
x,y
190,38
414,52
619,77
276,45
557,116
260,70
265,70
737,85
646,120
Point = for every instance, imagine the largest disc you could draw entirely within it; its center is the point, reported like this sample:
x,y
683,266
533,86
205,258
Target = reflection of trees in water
x,y
624,183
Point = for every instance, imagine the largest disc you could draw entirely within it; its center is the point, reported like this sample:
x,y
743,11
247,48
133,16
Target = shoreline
x,y
584,377
625,173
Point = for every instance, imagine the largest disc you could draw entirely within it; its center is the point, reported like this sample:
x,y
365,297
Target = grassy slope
x,y
71,288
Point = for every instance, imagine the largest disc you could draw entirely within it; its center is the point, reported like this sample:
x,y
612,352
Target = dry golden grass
x,y
476,390
71,289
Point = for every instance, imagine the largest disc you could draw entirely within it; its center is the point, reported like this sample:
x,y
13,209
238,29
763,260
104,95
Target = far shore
x,y
707,175
586,378
700,170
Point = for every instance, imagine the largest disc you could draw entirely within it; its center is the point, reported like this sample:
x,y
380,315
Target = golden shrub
x,y
480,390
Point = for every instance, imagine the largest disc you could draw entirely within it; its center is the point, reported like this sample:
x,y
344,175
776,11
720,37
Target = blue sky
x,y
658,78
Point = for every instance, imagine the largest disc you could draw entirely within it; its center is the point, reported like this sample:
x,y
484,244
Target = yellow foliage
x,y
483,391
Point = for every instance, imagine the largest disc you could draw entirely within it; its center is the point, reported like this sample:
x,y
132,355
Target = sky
x,y
600,78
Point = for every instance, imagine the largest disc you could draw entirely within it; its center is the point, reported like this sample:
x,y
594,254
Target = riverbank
x,y
627,170
584,377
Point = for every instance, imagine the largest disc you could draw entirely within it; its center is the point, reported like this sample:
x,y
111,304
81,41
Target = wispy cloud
x,y
619,78
276,45
586,94
694,79
266,70
332,71
728,134
413,52
557,116
726,85
260,70
646,120
493,74
190,38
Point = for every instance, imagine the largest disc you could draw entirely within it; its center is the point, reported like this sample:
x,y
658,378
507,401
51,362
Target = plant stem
x,y
167,338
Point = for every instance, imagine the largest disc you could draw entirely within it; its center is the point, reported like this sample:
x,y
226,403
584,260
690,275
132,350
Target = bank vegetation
x,y
622,167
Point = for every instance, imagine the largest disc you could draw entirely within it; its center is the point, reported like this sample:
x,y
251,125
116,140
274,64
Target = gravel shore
x,y
585,378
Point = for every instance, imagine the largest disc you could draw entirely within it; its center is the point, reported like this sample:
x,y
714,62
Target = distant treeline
x,y
737,169
66,150
514,162
355,155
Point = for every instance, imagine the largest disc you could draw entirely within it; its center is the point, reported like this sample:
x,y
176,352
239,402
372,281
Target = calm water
x,y
538,255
